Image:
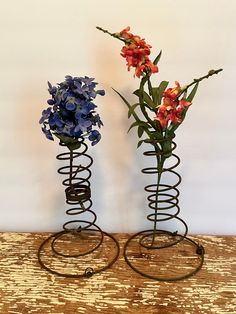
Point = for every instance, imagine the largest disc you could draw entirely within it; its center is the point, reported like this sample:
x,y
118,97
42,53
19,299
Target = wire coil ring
x,y
163,201
78,195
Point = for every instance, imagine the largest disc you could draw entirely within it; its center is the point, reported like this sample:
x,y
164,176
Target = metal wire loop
x,y
163,201
80,236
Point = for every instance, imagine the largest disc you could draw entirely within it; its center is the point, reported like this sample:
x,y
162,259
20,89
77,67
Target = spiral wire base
x,y
150,251
80,238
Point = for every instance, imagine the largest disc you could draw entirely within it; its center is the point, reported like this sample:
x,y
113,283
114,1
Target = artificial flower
x,y
136,52
172,108
168,104
72,111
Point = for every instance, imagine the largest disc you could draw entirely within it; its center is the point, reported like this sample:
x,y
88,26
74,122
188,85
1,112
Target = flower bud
x,y
211,72
183,88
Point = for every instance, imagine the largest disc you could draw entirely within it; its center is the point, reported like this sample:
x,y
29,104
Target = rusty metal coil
x,y
78,191
77,175
163,198
163,201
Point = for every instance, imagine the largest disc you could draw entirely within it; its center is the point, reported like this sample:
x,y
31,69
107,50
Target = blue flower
x,y
70,106
69,129
100,92
81,89
51,102
94,137
69,81
52,89
83,124
45,115
47,133
55,120
97,120
72,110
88,81
87,107
77,133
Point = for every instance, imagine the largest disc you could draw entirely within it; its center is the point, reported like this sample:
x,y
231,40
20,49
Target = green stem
x,y
115,35
71,168
143,109
150,87
134,114
145,79
195,81
160,163
157,127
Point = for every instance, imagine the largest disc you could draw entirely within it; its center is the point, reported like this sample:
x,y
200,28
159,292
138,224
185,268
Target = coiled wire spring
x,y
78,195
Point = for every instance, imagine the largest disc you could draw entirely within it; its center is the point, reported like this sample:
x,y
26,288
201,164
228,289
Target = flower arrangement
x,y
163,109
71,113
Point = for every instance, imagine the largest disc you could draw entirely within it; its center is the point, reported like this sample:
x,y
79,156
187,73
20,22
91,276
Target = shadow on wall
x,y
123,189
39,154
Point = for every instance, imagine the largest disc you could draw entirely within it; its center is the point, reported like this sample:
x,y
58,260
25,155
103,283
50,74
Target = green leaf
x,y
73,146
123,98
140,131
157,58
136,123
185,94
148,100
150,87
170,132
137,92
167,148
144,97
141,88
70,142
158,136
65,139
131,110
193,92
140,143
155,93
183,114
144,125
143,81
161,88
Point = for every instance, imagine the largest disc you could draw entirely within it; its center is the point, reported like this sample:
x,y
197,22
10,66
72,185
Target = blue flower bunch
x,y
71,113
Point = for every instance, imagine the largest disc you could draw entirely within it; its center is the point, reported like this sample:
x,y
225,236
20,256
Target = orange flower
x,y
184,103
139,70
172,93
125,33
153,68
172,107
136,52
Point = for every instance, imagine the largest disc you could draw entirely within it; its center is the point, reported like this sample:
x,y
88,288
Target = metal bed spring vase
x,y
164,255
79,249
162,110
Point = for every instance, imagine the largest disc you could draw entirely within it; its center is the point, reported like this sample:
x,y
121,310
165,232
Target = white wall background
x,y
45,40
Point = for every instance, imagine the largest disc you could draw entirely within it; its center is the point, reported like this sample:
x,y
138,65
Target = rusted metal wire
x,y
163,201
78,195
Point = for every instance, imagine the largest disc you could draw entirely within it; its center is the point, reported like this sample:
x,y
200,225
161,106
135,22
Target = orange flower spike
x,y
175,117
183,103
137,39
139,70
125,33
136,52
153,68
173,92
162,117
